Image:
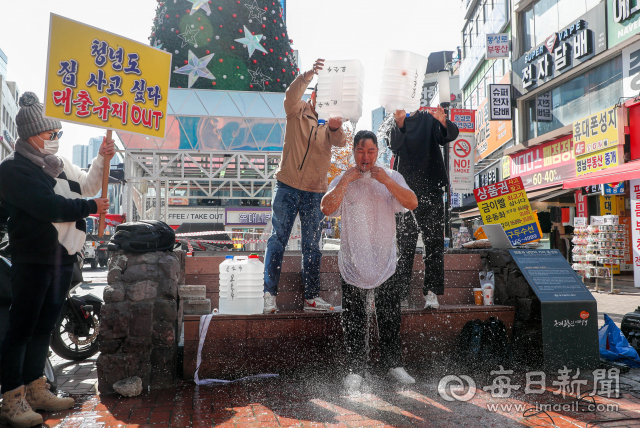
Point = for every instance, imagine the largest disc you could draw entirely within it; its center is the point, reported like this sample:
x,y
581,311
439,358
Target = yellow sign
x,y
595,141
612,205
99,79
506,203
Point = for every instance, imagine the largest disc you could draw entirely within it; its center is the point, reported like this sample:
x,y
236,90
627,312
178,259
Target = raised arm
x,y
293,95
444,131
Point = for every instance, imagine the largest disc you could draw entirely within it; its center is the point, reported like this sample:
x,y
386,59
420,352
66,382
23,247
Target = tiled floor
x,y
322,403
76,377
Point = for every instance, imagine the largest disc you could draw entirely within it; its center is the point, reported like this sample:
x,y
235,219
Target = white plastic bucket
x,y
402,81
340,90
241,286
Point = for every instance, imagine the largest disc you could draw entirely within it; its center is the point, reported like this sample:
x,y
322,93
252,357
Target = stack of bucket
x,y
402,81
340,90
241,285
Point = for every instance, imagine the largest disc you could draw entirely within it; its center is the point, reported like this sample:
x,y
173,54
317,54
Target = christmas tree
x,y
238,45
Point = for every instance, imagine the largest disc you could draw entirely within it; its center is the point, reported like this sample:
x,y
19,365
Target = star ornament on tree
x,y
189,36
254,10
251,42
200,4
196,67
257,78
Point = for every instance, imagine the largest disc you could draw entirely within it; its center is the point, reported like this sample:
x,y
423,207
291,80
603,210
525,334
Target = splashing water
x,y
384,130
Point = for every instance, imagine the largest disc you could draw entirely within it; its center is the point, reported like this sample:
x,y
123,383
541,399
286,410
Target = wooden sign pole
x,y
105,186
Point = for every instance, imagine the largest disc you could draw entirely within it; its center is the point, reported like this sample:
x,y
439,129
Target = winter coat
x,y
306,155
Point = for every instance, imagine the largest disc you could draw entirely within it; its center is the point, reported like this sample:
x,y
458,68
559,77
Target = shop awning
x,y
626,171
475,212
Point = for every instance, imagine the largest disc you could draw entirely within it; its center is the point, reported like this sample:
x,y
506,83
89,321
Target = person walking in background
x,y
44,196
367,197
301,183
416,144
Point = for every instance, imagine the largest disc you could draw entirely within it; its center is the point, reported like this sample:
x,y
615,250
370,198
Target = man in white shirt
x,y
367,198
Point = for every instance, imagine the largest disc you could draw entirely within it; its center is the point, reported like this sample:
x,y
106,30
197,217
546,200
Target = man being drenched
x,y
367,198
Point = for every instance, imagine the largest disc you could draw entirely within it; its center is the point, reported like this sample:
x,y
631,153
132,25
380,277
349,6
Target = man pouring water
x,y
367,198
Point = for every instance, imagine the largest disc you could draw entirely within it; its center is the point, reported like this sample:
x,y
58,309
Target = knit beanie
x,y
30,120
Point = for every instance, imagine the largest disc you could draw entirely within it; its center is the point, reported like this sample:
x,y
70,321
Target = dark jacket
x,y
28,193
417,152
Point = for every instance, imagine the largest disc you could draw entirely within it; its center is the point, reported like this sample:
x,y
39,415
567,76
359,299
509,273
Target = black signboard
x,y
561,51
569,312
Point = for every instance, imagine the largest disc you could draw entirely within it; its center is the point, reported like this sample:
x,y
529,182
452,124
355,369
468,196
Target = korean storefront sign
x,y
506,203
561,51
595,141
624,20
582,208
461,161
465,120
544,165
613,188
544,107
635,228
99,79
247,216
631,69
491,134
178,215
497,46
500,102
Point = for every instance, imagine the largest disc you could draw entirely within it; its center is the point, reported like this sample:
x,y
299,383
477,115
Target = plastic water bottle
x,y
340,90
402,81
241,285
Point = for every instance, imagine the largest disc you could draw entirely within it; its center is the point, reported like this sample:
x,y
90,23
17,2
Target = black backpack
x,y
484,344
143,237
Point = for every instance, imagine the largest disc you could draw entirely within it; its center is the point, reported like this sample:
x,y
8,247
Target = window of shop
x,y
596,90
490,73
548,16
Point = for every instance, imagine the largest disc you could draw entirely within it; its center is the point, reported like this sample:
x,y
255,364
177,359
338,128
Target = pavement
x,y
318,400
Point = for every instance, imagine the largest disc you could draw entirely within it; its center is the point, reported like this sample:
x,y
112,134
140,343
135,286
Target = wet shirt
x,y
367,256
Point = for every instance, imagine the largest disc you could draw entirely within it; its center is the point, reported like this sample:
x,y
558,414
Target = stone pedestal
x,y
139,320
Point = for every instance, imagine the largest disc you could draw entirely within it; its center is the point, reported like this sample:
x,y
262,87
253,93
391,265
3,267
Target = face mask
x,y
50,147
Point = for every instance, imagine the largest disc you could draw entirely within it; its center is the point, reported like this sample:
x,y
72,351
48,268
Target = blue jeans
x,y
286,203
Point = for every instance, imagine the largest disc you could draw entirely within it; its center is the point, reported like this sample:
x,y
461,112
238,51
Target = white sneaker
x,y
431,301
269,304
352,382
400,375
317,304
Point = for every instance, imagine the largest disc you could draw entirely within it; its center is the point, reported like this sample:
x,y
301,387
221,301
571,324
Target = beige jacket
x,y
306,155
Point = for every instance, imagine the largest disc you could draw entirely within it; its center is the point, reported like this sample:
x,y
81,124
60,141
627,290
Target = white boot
x,y
431,301
400,375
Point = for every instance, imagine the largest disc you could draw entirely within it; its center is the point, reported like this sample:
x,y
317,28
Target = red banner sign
x,y
545,165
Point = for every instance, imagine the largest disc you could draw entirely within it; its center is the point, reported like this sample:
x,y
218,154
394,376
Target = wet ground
x,y
321,402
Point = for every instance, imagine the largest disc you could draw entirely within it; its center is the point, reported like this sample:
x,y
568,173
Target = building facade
x,y
9,96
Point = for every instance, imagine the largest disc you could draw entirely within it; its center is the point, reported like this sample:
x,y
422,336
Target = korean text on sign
x,y
497,45
100,79
506,203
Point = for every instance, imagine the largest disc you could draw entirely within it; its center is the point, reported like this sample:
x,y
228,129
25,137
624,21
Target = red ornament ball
x,y
293,72
177,32
271,50
284,71
166,16
282,34
276,37
240,30
238,67
274,21
177,16
286,53
213,83
280,58
278,80
198,19
186,62
221,26
264,26
233,47
188,10
208,52
251,86
201,27
255,61
266,83
208,40
219,7
221,60
253,33
266,8
263,54
234,15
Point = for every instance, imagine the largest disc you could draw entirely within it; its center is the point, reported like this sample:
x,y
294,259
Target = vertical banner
x,y
461,160
100,79
635,229
582,209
